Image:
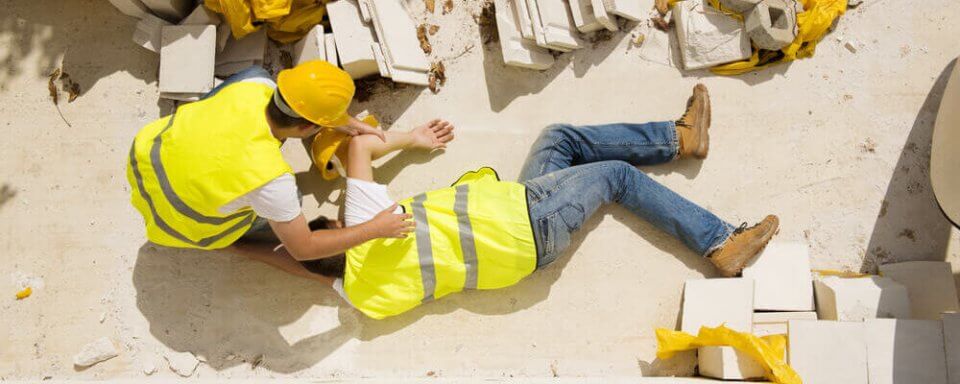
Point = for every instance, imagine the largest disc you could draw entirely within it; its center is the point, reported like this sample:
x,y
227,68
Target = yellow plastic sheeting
x,y
812,24
768,351
286,20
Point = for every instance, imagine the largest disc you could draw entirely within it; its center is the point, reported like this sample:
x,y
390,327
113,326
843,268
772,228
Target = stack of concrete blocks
x,y
930,286
708,37
240,54
316,46
518,51
398,53
771,24
354,38
187,54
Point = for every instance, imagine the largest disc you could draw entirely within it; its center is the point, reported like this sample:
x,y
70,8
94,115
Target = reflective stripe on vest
x,y
428,273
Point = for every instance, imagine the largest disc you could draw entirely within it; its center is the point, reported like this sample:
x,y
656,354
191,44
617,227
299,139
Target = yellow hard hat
x,y
325,145
317,91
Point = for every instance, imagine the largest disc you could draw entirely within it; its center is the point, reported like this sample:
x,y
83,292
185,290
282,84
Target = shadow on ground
x,y
910,225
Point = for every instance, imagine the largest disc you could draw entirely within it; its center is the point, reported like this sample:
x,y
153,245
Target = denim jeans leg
x,y
560,202
254,72
562,145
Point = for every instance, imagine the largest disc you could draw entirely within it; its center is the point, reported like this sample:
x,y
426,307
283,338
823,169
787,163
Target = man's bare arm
x,y
304,244
363,150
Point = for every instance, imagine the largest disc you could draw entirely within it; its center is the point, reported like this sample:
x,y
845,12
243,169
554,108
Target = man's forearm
x,y
332,242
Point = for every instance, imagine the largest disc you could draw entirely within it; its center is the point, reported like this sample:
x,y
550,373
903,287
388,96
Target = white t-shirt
x,y
277,200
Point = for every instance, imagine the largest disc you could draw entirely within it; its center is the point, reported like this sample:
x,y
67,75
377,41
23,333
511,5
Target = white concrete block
x,y
782,278
410,77
133,8
861,298
518,51
185,96
147,32
905,351
311,47
930,285
712,302
708,37
603,15
223,36
556,23
331,49
629,9
397,35
99,350
365,12
727,363
523,19
353,38
201,16
775,323
250,48
584,17
381,60
828,352
187,58
227,69
170,10
951,344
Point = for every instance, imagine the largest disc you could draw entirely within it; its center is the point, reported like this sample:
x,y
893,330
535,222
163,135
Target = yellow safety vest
x,y
475,234
185,166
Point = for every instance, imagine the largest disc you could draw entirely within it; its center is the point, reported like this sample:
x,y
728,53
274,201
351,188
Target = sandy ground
x,y
836,145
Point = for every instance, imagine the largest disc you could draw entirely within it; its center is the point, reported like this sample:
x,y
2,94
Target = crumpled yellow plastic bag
x,y
768,351
286,20
812,24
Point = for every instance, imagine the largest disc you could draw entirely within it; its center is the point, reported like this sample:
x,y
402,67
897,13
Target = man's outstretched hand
x,y
433,135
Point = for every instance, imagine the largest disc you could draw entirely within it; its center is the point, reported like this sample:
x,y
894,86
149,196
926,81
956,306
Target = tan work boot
x,y
663,6
743,245
693,127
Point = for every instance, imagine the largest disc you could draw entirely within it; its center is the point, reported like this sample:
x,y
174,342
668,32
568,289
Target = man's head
x,y
309,96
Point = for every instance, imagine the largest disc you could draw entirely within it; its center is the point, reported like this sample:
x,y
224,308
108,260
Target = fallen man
x,y
483,233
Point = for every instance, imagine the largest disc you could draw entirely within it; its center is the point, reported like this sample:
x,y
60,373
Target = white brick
x,y
556,23
951,343
828,352
603,16
410,77
185,96
187,57
930,284
134,8
712,302
775,323
782,276
629,9
518,51
584,17
523,19
147,32
381,61
708,37
201,16
250,48
331,49
727,363
398,35
353,38
905,351
861,298
311,47
170,10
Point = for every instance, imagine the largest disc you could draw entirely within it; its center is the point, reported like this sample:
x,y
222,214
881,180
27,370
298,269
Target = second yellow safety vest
x,y
475,234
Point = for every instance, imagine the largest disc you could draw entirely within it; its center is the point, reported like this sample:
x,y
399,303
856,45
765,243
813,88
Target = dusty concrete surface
x,y
836,145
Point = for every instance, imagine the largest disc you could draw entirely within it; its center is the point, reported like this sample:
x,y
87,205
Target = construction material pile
x,y
900,327
198,47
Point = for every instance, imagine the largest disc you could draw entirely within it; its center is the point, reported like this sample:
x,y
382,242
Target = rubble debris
x,y
433,29
431,5
187,59
286,60
713,302
24,293
857,299
637,41
447,6
781,275
930,285
170,10
708,37
486,20
71,87
772,24
99,350
599,37
726,363
257,360
660,23
438,76
740,6
148,368
868,145
55,92
424,41
353,39
905,351
182,363
854,3
583,16
828,351
850,47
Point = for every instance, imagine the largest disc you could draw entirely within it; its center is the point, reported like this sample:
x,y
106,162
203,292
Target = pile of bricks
x,y
197,49
900,327
530,29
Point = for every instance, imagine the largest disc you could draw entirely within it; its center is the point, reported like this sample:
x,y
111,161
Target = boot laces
x,y
742,228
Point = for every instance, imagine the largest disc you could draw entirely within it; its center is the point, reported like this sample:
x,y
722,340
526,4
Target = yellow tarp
x,y
286,20
768,351
812,24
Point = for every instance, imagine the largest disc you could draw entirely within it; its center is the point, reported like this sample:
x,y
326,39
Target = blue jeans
x,y
254,72
571,171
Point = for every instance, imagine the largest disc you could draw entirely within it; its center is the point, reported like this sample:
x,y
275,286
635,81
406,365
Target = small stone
x,y
182,363
98,351
850,47
149,368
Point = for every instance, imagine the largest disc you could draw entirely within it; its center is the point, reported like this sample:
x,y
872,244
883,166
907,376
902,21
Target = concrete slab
x,y
775,323
170,10
201,16
951,345
187,58
861,298
584,17
313,46
930,284
148,32
726,363
629,9
133,8
712,302
227,69
905,351
523,19
782,277
772,24
708,37
516,50
330,49
828,352
557,23
397,35
380,59
353,38
603,15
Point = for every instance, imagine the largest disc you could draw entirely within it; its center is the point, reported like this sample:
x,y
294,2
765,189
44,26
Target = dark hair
x,y
282,119
332,266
